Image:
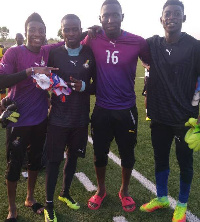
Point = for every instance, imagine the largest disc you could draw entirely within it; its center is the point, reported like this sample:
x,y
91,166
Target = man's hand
x,y
40,70
75,84
145,65
94,30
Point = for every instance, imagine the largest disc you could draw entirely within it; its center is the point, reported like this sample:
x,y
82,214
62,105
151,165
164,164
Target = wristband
x,y
83,86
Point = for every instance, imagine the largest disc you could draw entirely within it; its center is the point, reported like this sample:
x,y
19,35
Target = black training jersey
x,y
172,79
75,111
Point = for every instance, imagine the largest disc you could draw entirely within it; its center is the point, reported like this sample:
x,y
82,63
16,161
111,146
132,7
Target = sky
x,y
141,17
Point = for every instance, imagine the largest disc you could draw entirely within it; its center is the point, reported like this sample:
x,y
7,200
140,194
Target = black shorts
x,y
59,138
119,124
20,140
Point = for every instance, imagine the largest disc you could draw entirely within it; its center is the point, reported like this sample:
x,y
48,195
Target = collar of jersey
x,y
123,33
74,52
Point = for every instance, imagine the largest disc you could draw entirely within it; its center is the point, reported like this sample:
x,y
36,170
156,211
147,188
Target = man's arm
x,y
91,88
197,57
8,80
145,55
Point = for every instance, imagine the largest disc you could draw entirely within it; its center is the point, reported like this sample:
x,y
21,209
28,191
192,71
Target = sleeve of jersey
x,y
86,41
53,46
197,57
49,63
83,35
144,51
8,75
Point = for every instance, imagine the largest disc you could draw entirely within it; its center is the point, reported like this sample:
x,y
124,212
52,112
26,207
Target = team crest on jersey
x,y
16,142
86,64
42,63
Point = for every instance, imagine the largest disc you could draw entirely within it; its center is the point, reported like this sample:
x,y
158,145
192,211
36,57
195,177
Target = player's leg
x,y
16,143
77,143
125,131
102,136
162,137
34,155
55,145
185,160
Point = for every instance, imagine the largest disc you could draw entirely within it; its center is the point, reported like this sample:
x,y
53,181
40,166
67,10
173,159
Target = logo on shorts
x,y
131,131
16,142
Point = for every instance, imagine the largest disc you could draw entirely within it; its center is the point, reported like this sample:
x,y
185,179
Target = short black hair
x,y
1,46
34,17
107,2
71,16
173,2
18,34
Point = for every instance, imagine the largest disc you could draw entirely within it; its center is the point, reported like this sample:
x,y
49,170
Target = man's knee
x,y
36,164
128,162
35,159
13,171
101,161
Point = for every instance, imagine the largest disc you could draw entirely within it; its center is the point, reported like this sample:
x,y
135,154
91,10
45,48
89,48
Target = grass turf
x,y
111,206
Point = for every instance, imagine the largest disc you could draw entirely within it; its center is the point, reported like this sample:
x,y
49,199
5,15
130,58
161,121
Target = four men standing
x,y
172,78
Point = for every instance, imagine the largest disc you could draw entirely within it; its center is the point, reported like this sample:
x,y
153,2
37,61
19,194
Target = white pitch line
x,y
149,185
119,219
86,182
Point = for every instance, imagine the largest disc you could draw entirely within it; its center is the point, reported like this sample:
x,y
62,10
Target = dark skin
x,y
19,39
71,31
35,34
172,19
111,17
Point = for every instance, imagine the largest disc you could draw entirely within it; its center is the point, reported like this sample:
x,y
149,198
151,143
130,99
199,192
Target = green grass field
x,y
111,206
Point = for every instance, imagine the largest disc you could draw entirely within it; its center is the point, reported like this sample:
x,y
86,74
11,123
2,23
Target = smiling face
x,y
111,18
71,31
172,19
35,34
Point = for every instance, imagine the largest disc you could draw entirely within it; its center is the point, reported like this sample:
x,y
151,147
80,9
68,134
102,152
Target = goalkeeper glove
x,y
10,113
192,136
